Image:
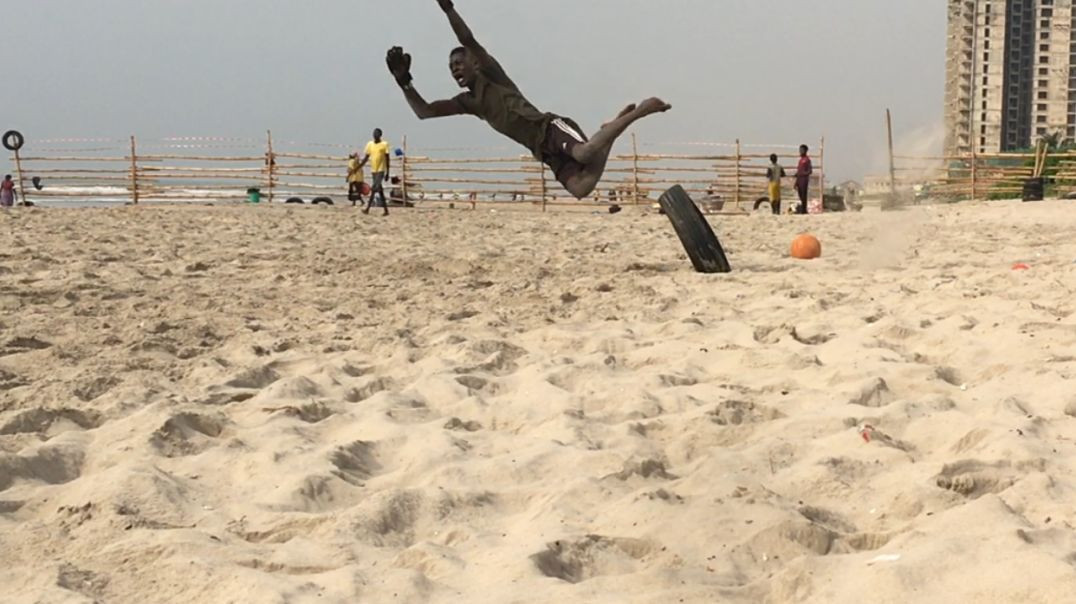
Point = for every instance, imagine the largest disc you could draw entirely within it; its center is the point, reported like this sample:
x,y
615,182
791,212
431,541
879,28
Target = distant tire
x,y
13,140
294,200
322,200
762,200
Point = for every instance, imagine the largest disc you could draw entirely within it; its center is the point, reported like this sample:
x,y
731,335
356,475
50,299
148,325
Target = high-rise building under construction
x,y
1009,74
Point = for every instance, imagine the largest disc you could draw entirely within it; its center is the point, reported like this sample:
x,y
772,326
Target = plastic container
x,y
254,195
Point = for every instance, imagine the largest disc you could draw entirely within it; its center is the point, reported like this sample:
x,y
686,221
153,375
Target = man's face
x,y
377,134
803,152
462,68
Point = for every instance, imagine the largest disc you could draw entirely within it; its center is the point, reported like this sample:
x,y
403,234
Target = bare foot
x,y
653,105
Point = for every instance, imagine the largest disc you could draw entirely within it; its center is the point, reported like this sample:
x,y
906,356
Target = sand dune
x,y
268,404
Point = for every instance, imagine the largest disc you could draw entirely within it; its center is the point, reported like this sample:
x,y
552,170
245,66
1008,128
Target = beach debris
x,y
1020,266
883,558
866,432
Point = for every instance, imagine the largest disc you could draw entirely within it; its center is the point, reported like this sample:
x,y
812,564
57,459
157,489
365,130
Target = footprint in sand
x,y
187,434
578,560
51,465
973,479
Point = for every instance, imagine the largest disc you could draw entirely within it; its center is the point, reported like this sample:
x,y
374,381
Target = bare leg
x,y
595,153
597,149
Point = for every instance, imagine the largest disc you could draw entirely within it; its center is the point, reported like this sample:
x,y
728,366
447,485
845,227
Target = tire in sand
x,y
695,234
322,201
294,200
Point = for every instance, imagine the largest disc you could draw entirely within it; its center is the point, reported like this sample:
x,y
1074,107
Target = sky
x,y
764,71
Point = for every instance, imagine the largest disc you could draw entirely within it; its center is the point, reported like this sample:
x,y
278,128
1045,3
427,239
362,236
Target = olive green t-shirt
x,y
496,99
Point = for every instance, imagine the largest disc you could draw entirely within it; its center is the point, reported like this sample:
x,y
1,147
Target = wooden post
x,y
973,172
634,171
738,157
822,173
892,165
541,166
18,174
270,160
134,173
403,172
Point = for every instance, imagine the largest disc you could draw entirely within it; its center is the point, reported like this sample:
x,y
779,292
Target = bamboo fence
x,y
979,175
728,177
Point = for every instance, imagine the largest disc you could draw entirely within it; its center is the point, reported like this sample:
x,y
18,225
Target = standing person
x,y
493,97
377,153
7,192
355,180
774,174
803,178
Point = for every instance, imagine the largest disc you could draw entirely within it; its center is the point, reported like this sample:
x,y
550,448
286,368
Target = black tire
x,y
37,183
762,200
695,234
1034,189
294,200
322,200
13,140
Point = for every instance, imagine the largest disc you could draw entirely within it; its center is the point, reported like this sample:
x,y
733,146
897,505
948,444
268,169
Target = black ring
x,y
13,140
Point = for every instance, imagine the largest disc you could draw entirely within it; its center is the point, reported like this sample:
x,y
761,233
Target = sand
x,y
269,404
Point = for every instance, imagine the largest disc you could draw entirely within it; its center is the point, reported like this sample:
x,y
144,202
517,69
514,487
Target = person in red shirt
x,y
803,179
7,192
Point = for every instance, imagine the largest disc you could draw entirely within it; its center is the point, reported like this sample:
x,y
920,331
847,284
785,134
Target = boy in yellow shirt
x,y
355,180
377,153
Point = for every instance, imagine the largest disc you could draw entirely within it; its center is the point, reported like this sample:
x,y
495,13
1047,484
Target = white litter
x,y
884,558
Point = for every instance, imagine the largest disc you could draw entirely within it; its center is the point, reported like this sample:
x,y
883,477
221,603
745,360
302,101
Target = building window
x,y
1044,48
1041,119
1044,71
1042,95
1043,60
1047,12
1040,131
1043,83
1040,107
982,129
986,80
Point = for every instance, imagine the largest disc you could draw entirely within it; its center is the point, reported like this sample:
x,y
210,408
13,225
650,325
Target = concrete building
x,y
1010,76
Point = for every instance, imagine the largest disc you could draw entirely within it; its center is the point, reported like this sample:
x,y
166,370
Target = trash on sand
x,y
866,432
1020,266
884,558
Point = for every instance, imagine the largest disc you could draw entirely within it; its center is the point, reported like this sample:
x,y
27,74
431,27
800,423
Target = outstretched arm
x,y
467,39
400,66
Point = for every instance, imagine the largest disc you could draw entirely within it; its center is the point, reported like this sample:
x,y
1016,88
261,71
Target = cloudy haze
x,y
766,71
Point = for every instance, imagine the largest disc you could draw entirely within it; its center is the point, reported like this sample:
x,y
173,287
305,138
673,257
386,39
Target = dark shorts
x,y
561,136
379,180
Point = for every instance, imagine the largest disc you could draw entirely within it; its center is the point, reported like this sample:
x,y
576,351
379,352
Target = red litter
x,y
1020,266
866,432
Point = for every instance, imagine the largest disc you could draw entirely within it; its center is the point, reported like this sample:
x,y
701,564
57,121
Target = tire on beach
x,y
695,234
294,200
13,140
763,200
322,200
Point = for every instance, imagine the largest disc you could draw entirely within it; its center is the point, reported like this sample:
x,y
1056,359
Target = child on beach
x,y
7,192
774,174
492,96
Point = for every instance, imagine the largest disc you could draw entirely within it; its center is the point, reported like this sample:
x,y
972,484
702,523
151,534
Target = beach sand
x,y
270,404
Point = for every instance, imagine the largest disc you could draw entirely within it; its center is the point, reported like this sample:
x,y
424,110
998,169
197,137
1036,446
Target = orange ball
x,y
806,247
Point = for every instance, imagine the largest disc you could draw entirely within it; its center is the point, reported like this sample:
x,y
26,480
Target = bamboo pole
x,y
634,171
403,171
738,158
18,174
892,165
270,159
822,172
134,172
973,172
542,166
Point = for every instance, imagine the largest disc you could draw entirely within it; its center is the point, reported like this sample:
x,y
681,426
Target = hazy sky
x,y
766,71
